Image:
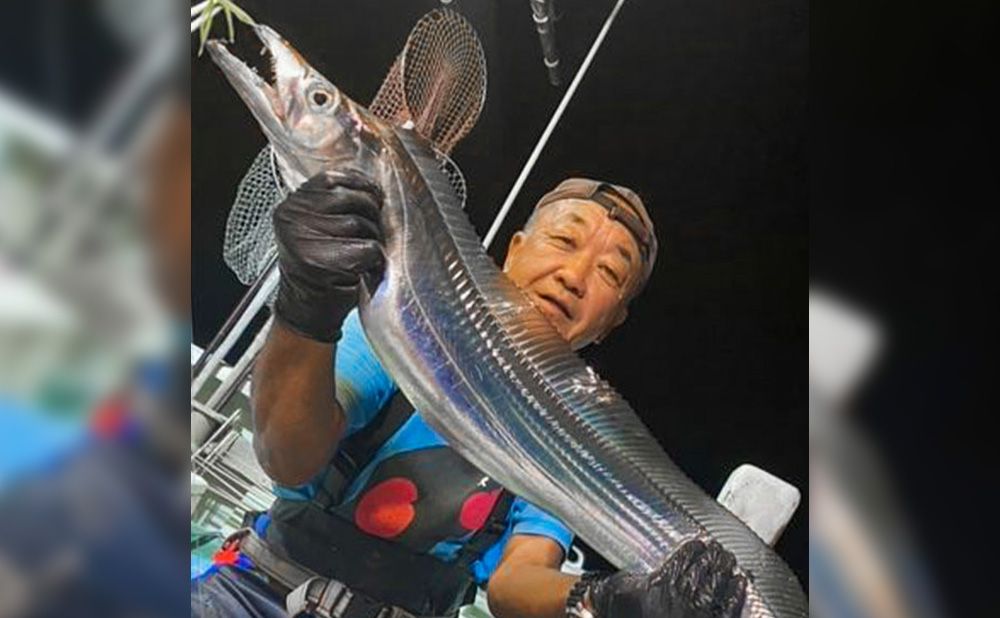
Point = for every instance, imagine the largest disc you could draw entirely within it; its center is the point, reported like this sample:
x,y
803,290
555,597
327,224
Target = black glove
x,y
328,236
698,580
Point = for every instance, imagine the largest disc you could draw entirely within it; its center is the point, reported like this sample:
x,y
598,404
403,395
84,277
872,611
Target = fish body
x,y
483,365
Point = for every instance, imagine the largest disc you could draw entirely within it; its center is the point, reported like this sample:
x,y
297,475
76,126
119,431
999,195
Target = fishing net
x,y
438,82
437,86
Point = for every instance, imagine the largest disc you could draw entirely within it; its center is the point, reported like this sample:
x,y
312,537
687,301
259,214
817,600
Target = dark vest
x,y
377,540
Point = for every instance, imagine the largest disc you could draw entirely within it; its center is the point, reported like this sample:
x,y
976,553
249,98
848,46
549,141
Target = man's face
x,y
577,265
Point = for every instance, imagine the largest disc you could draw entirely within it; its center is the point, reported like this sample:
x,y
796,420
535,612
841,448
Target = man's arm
x,y
528,583
297,420
328,236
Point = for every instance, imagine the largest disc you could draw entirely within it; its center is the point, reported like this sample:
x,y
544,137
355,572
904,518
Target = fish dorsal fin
x,y
543,351
600,418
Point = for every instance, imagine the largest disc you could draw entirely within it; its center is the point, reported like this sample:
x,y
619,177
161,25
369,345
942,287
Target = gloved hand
x,y
328,236
698,580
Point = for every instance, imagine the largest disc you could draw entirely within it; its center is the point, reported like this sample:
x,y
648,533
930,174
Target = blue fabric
x,y
226,591
130,564
31,440
363,386
200,566
363,389
829,581
57,479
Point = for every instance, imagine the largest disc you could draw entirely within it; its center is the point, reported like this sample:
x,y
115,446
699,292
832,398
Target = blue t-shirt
x,y
364,388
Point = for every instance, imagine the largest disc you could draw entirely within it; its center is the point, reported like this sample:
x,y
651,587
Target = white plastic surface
x,y
761,500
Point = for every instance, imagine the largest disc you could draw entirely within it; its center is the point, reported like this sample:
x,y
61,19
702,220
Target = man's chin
x,y
552,319
552,315
561,327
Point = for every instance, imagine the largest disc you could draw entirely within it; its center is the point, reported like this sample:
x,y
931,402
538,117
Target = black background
x,y
904,225
698,106
79,62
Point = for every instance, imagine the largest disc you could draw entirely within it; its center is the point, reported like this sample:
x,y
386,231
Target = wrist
x,y
579,603
312,316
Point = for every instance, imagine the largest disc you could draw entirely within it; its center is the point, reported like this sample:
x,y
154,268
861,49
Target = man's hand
x,y
328,236
698,580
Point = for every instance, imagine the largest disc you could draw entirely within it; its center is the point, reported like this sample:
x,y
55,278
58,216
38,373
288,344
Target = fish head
x,y
310,123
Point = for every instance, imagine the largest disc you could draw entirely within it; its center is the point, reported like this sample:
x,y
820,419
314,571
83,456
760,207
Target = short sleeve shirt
x,y
364,388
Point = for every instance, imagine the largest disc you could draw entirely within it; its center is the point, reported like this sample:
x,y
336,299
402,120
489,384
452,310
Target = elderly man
x,y
371,499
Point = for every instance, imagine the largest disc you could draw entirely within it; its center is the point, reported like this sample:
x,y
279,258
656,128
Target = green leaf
x,y
206,25
209,13
229,22
240,14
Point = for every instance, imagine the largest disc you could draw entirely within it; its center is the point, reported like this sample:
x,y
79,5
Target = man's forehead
x,y
586,214
573,210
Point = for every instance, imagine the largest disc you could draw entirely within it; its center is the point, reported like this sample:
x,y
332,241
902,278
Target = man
x,y
369,495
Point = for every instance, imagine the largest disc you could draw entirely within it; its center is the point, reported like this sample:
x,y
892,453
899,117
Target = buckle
x,y
229,553
319,596
232,541
612,199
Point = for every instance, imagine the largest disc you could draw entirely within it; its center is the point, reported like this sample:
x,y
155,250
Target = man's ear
x,y
516,242
620,318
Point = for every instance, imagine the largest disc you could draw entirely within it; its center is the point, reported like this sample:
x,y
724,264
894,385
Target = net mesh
x,y
437,86
249,241
438,82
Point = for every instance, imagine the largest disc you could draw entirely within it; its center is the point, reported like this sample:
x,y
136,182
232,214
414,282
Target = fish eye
x,y
321,98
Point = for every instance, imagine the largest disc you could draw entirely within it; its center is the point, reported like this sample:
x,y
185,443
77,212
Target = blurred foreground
x,y
863,558
94,327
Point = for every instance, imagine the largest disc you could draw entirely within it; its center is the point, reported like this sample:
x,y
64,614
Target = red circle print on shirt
x,y
477,508
386,510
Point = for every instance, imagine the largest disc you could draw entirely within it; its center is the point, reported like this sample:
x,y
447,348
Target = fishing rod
x,y
556,116
543,14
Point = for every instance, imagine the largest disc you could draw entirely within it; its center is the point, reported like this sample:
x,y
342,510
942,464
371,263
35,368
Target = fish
x,y
482,365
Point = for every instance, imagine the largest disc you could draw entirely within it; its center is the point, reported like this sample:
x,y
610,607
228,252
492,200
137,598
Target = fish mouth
x,y
263,97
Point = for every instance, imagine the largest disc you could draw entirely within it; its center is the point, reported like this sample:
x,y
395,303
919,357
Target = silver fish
x,y
483,366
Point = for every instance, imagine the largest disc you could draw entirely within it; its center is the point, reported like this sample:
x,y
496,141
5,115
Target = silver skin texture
x,y
482,365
